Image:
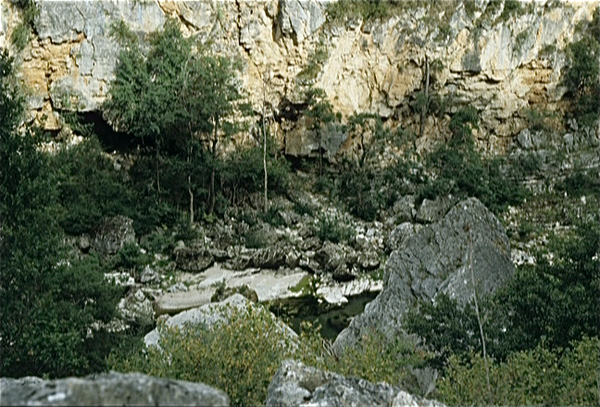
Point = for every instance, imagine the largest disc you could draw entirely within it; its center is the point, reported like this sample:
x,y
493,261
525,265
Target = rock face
x,y
438,259
112,234
494,64
296,384
209,314
110,389
194,258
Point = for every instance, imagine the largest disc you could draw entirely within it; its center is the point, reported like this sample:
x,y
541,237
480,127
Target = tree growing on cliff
x,y
582,73
175,97
320,110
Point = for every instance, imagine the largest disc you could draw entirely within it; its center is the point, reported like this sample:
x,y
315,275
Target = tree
x,y
220,97
48,303
360,173
320,110
171,96
582,73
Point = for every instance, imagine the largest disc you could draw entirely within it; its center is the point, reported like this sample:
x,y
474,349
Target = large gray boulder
x,y
209,315
296,384
111,389
437,260
112,234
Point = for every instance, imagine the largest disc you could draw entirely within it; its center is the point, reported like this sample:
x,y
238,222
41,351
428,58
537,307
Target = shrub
x,y
333,230
304,208
272,216
159,241
239,357
90,187
582,73
20,35
130,257
256,239
534,377
580,183
460,170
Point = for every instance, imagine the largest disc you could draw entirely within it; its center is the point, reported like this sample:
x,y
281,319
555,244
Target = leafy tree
x,y
582,73
171,96
320,110
460,170
48,303
89,187
360,174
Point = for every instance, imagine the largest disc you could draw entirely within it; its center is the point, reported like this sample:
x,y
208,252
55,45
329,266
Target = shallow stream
x,y
332,318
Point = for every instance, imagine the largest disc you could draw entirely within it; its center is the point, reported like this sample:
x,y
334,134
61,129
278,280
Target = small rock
x,y
176,288
149,276
84,243
112,234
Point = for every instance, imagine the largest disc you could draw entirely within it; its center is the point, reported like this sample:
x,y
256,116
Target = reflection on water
x,y
333,319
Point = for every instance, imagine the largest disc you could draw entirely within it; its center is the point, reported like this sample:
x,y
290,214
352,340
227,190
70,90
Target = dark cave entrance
x,y
110,139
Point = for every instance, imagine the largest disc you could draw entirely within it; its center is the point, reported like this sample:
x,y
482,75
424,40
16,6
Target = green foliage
x,y
242,173
180,104
21,33
320,110
334,230
316,60
90,188
534,377
582,73
365,9
158,241
130,257
239,357
511,8
557,301
551,303
272,216
256,239
580,183
304,208
460,170
48,302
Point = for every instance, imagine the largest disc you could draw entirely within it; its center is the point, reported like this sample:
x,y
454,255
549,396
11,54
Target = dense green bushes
x,y
49,301
582,73
241,356
534,377
89,187
460,170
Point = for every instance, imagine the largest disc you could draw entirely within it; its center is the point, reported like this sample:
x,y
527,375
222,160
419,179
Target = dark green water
x,y
333,319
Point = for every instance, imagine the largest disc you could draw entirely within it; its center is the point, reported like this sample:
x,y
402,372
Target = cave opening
x,y
110,139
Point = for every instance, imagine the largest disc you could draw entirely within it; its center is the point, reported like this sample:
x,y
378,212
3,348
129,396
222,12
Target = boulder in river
x,y
438,259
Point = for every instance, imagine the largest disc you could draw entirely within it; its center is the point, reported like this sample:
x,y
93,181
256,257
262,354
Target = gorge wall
x,y
499,62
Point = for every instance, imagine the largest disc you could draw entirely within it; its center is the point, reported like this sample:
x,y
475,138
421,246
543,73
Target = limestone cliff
x,y
499,62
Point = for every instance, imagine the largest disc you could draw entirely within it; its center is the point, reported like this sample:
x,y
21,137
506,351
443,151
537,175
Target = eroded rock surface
x,y
493,64
296,384
111,389
210,314
438,259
